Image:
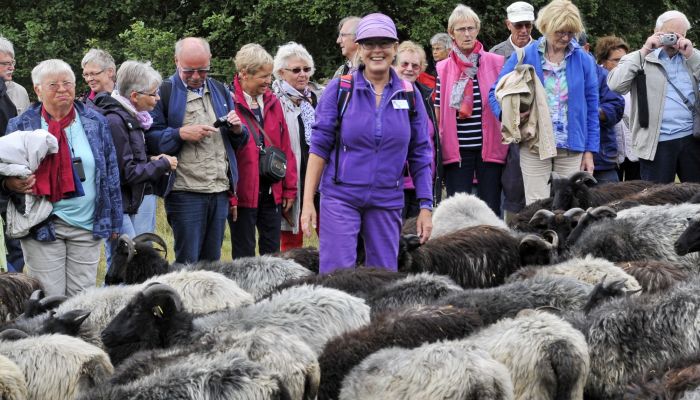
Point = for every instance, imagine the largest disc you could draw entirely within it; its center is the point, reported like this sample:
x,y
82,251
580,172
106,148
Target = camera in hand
x,y
222,122
668,39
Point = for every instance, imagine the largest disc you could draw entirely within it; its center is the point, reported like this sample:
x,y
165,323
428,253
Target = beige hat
x,y
520,11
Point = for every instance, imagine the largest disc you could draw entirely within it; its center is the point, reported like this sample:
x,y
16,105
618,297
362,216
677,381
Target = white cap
x,y
520,11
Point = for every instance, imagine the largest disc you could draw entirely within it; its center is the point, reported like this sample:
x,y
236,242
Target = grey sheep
x,y
413,290
505,301
461,211
640,233
654,276
408,328
58,367
440,370
186,375
360,282
587,269
481,256
13,386
628,336
258,276
15,289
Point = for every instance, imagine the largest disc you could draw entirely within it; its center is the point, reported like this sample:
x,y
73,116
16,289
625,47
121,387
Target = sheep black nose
x,y
681,249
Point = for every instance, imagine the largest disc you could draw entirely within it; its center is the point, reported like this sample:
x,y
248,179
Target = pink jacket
x,y
492,150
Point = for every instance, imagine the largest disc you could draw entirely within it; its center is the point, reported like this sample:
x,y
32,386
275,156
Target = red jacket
x,y
247,154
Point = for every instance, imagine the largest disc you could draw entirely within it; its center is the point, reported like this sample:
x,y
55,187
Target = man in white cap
x,y
519,22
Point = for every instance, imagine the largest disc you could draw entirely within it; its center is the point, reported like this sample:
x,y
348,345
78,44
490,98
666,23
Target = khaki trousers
x,y
536,172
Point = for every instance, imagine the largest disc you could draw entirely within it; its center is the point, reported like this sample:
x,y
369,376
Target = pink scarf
x,y
462,98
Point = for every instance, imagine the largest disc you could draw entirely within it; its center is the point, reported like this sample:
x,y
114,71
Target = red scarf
x,y
54,177
467,106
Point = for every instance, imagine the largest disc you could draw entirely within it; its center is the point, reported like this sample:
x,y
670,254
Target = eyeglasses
x,y
373,45
88,75
190,71
154,94
561,34
406,64
344,34
462,31
297,70
8,63
54,86
521,25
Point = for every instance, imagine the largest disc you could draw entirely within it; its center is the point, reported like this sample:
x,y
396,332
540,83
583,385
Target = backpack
x,y
345,87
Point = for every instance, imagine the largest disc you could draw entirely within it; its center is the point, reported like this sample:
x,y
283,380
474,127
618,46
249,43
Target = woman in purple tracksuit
x,y
380,131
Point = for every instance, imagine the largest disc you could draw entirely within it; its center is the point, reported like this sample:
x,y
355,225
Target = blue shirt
x,y
677,119
79,211
556,88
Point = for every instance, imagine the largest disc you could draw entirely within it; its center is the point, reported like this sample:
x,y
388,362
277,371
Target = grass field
x,y
163,230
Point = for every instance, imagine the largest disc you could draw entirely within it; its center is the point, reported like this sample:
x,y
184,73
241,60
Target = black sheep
x,y
581,190
654,276
307,257
407,328
480,256
15,289
670,193
360,282
135,260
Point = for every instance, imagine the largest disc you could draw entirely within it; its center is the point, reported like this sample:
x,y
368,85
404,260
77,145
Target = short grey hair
x,y
51,67
441,38
6,47
287,51
462,12
99,57
201,41
135,76
671,15
350,18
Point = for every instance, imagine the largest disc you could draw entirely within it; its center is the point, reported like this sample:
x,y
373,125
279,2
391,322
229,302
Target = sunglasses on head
x,y
298,70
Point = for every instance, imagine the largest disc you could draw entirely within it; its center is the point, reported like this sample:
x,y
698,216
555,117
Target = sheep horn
x,y
13,334
602,212
532,238
574,214
551,237
541,216
157,288
125,240
584,177
152,237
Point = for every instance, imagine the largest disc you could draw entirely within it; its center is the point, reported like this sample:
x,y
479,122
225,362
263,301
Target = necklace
x,y
371,86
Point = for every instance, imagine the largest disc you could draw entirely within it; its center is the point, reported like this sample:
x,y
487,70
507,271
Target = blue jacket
x,y
613,106
164,135
108,206
583,128
367,167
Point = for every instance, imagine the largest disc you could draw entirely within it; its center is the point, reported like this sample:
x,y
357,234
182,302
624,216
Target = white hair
x,y
6,47
134,76
99,57
441,38
290,50
51,67
201,41
670,15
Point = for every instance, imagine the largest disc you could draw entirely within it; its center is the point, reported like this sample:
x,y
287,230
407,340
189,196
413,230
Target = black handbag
x,y
272,160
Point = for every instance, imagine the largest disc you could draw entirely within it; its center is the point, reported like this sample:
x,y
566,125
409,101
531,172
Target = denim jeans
x,y
606,176
673,157
198,221
267,218
144,221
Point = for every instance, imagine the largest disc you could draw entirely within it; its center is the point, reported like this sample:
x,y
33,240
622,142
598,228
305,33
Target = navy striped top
x,y
469,131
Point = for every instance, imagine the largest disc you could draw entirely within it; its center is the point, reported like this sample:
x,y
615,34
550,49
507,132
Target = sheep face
x,y
573,191
152,319
689,240
136,260
560,222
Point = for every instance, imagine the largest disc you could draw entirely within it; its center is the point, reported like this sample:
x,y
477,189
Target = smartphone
x,y
78,168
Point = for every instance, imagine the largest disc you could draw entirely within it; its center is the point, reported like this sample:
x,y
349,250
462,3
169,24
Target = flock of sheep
x,y
593,293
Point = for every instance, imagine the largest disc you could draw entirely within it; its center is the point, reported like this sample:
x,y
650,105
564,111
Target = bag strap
x,y
691,106
254,122
345,86
410,97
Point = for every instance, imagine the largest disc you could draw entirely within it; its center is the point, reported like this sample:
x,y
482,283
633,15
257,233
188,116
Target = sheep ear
x,y
162,300
411,242
584,178
74,318
12,335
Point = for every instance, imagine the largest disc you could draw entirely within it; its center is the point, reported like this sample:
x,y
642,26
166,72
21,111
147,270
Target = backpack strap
x,y
345,86
410,97
166,88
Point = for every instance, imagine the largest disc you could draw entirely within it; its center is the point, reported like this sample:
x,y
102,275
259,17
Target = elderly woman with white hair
x,y
127,111
99,72
293,68
661,121
260,200
81,181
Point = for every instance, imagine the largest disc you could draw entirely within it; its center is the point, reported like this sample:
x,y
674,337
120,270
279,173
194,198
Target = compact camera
x,y
668,39
78,168
222,122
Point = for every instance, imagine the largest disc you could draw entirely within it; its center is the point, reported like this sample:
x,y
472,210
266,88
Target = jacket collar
x,y
240,96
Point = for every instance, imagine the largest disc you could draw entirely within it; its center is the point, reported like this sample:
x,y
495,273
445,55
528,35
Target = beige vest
x,y
202,166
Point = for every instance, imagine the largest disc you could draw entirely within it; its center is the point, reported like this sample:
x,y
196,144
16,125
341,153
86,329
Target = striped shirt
x,y
469,132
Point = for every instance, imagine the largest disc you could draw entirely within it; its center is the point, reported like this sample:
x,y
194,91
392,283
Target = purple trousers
x,y
343,220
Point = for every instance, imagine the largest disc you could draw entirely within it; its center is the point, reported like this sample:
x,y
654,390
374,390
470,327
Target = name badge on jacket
x,y
400,104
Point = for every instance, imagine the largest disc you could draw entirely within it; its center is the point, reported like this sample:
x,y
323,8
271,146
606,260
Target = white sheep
x,y
461,211
13,386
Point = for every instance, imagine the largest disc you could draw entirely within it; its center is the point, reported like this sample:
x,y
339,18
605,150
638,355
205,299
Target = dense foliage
x,y
147,29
